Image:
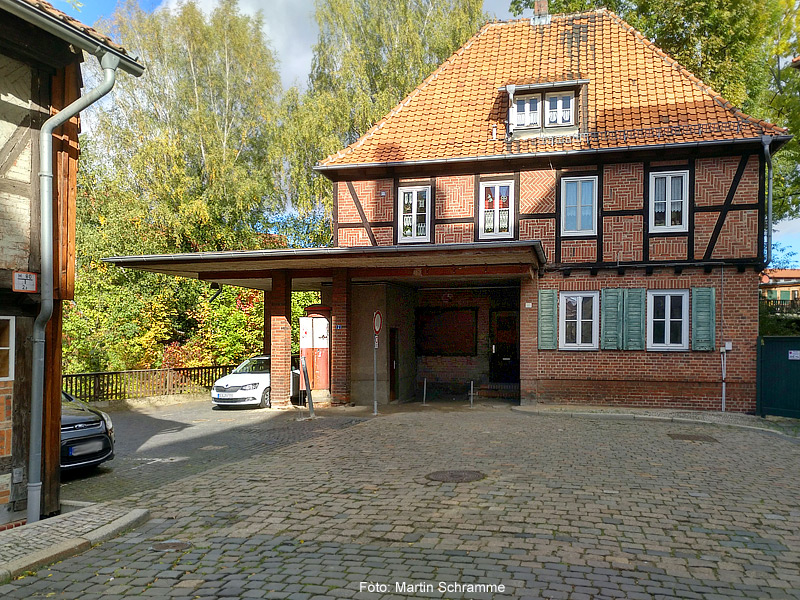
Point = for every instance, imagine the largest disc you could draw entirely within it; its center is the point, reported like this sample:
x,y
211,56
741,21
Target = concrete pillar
x,y
528,340
267,323
281,339
340,337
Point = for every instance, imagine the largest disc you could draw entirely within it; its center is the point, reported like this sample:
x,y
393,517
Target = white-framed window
x,y
578,321
559,109
7,335
668,319
669,201
496,204
528,111
414,211
579,205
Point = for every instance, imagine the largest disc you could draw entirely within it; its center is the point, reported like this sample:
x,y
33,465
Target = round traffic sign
x,y
377,322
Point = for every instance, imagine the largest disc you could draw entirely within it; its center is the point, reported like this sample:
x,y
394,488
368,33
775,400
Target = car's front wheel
x,y
265,401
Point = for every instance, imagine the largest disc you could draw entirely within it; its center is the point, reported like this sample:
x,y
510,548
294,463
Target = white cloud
x,y
290,27
292,30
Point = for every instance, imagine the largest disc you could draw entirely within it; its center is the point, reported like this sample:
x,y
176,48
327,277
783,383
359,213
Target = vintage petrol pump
x,y
315,346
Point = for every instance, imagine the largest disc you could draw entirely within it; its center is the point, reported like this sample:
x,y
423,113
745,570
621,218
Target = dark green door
x,y
778,377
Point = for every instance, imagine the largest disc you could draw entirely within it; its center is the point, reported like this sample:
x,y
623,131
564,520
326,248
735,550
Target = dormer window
x,y
560,109
544,109
528,109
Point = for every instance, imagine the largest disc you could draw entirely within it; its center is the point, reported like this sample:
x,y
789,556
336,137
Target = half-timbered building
x,y
560,212
40,74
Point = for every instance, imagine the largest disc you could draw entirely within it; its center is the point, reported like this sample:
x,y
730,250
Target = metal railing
x,y
119,385
774,305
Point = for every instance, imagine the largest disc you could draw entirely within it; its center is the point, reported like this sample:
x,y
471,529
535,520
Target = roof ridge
x,y
410,96
696,81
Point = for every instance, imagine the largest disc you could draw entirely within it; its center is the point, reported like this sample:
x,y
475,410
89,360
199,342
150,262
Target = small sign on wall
x,y
794,354
25,281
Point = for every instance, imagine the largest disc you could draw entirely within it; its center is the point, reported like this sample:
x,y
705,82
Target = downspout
x,y
109,62
766,140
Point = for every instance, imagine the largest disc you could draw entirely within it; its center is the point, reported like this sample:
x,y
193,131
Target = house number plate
x,y
794,354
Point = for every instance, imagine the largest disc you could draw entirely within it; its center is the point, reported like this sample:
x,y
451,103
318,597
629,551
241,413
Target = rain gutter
x,y
69,33
766,140
109,62
780,139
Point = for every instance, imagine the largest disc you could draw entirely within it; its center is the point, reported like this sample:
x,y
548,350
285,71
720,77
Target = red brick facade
x,y
723,210
281,339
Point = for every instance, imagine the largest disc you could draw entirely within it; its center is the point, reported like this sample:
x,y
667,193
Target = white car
x,y
249,384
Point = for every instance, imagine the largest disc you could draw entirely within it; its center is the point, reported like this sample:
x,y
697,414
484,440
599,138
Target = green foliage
x,y
770,323
369,55
741,49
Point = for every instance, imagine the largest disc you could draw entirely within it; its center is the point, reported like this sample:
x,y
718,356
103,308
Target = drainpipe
x,y
109,62
766,140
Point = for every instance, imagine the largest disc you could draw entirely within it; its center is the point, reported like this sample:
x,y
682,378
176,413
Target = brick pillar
x,y
267,323
528,340
340,337
281,339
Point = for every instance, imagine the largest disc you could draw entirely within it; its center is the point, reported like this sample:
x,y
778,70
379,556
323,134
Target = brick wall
x,y
622,238
623,186
685,379
455,197
340,337
280,340
458,369
537,191
455,233
623,189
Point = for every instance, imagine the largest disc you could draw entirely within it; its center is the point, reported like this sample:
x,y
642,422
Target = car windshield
x,y
253,365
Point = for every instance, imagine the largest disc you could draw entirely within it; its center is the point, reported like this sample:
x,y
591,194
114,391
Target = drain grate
x,y
689,437
455,476
171,546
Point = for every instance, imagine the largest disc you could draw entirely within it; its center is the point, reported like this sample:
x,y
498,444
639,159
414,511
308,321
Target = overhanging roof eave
x,y
778,142
325,259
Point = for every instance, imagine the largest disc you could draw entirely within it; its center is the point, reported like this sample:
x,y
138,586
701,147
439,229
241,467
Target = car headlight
x,y
249,386
107,419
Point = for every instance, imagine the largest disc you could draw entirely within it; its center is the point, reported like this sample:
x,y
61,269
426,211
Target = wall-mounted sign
x,y
794,354
25,282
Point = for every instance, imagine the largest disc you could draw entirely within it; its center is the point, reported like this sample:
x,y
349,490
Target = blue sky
x,y
290,26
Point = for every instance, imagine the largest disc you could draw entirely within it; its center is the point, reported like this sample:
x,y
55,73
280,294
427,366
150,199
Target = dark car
x,y
87,434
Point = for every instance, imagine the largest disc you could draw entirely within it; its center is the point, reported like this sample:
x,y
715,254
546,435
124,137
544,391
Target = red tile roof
x,y
637,95
49,9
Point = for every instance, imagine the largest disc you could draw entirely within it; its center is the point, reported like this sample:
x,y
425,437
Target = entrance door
x,y
504,362
393,355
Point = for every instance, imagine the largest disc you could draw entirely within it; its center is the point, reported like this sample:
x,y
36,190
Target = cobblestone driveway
x,y
569,508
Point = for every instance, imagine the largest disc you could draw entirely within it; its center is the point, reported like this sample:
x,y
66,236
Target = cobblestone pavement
x,y
569,508
155,446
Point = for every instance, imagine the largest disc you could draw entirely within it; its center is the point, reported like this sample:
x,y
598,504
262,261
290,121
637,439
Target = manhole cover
x,y
455,476
692,437
171,546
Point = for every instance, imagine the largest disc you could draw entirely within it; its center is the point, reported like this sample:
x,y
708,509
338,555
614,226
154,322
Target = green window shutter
x,y
548,320
611,314
703,318
634,329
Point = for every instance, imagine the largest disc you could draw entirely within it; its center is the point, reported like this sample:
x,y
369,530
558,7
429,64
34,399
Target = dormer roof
x,y
635,95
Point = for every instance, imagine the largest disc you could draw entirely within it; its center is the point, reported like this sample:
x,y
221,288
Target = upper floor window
x,y
496,219
669,201
414,211
578,205
528,111
7,335
559,109
668,320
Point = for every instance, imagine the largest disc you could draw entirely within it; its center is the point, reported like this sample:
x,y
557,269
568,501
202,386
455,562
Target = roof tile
x,y
637,95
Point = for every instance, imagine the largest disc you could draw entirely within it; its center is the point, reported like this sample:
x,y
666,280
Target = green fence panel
x,y
778,376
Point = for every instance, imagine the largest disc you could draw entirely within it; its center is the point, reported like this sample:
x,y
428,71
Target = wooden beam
x,y
361,213
466,271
